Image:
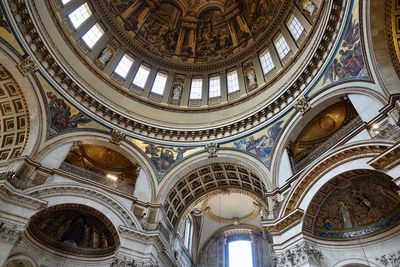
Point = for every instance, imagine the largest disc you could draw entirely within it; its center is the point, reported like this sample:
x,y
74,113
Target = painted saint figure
x,y
346,216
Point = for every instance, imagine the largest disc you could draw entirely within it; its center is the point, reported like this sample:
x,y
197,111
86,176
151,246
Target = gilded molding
x,y
285,222
387,159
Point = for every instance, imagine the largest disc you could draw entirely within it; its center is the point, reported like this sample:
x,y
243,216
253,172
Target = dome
x,y
186,70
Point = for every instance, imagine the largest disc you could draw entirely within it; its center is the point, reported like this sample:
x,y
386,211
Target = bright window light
x,y
215,87
196,89
240,254
233,81
124,66
65,1
266,62
141,76
79,15
93,35
282,47
295,28
159,83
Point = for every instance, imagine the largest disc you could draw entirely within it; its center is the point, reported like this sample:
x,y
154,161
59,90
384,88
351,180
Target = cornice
x,y
8,194
387,159
49,64
284,223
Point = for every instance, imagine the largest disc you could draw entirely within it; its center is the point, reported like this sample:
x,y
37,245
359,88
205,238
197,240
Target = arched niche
x,y
74,229
58,149
196,161
209,180
365,99
353,204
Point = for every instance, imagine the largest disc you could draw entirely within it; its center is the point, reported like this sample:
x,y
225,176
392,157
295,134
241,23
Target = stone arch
x,y
318,104
209,180
345,158
355,263
55,150
91,196
20,260
379,29
200,159
21,94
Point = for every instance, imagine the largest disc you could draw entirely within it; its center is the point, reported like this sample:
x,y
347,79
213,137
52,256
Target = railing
x,y
329,143
96,177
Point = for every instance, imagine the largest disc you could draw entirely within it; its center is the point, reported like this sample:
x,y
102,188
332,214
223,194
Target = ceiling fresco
x,y
98,162
321,128
195,31
75,229
349,63
353,205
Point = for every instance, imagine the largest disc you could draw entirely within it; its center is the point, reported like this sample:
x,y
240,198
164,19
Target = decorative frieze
x,y
298,255
27,66
10,233
390,259
302,104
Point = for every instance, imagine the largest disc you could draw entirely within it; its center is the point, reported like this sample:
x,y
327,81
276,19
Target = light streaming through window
x,y
266,62
159,83
282,47
79,15
240,254
196,89
65,1
124,66
93,35
233,81
295,28
141,76
215,87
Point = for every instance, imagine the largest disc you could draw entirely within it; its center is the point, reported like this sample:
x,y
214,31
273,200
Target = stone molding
x,y
10,233
284,223
84,192
27,65
387,159
390,259
338,157
298,255
8,194
131,126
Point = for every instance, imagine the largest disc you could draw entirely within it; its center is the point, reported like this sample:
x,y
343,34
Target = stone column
x,y
10,235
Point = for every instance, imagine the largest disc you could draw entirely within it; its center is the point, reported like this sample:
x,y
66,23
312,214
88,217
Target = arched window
x,y
240,252
188,233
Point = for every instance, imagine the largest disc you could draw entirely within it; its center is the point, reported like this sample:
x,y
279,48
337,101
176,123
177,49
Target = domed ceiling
x,y
183,70
194,31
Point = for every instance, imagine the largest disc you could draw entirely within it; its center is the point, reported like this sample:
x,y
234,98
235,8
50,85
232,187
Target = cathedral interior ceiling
x,y
199,184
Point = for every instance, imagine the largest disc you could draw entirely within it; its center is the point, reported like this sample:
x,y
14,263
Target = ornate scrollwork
x,y
298,255
27,66
390,259
10,233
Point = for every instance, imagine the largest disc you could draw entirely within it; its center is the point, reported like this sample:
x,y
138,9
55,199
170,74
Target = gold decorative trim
x,y
286,222
387,159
